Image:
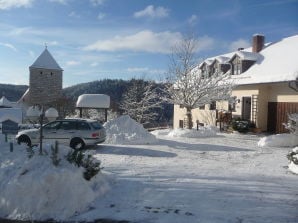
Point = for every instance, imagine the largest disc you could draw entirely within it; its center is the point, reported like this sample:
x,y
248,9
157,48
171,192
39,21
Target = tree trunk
x,y
189,117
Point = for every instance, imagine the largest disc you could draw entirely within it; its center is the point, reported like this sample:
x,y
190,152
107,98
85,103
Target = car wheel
x,y
25,140
77,144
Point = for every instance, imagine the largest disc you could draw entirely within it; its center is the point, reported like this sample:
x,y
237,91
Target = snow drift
x,y
279,140
125,130
202,132
33,188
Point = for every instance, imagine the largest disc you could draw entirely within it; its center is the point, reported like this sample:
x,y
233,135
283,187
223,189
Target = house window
x,y
202,107
204,72
216,70
181,124
237,69
212,105
211,71
232,106
237,65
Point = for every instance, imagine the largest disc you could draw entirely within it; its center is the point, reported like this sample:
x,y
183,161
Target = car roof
x,y
77,119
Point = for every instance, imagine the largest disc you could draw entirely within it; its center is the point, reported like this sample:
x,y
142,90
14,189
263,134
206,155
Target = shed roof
x,y
93,101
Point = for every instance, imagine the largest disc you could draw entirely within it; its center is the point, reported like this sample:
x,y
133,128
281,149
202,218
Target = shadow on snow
x,y
201,147
133,151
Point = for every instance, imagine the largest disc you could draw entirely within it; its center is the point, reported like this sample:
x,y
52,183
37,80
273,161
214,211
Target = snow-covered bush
x,y
293,158
241,125
292,124
91,166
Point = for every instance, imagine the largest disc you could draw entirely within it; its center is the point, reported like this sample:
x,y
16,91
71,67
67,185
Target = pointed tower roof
x,y
46,60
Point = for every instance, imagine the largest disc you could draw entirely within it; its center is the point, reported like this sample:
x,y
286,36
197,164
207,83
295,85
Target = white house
x,y
266,77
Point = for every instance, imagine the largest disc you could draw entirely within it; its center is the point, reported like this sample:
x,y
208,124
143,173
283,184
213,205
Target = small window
x,y
212,105
40,72
181,106
232,106
202,107
181,124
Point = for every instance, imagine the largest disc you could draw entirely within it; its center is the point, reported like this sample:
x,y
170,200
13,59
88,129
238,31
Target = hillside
x,y
114,88
12,92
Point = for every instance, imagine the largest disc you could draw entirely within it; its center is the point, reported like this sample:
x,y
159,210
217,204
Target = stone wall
x,y
45,86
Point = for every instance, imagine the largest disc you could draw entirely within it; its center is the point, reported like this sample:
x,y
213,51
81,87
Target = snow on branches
x,y
188,85
141,101
292,124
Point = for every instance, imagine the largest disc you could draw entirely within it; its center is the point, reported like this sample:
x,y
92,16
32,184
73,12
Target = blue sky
x,y
97,39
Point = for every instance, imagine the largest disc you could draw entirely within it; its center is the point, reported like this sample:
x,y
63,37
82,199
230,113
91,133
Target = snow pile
x,y
292,166
279,140
124,130
202,132
33,188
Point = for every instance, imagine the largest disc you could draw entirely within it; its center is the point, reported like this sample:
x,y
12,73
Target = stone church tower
x,y
45,82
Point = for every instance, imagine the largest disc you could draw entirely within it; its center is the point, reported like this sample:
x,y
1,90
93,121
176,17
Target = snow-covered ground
x,y
177,178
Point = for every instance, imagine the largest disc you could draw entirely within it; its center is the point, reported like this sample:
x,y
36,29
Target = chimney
x,y
258,41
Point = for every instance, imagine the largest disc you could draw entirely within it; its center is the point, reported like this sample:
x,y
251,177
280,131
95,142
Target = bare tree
x,y
141,101
188,86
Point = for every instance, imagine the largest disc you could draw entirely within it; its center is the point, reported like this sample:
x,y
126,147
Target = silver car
x,y
77,133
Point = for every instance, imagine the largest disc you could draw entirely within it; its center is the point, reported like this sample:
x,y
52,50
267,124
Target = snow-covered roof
x,y
93,101
276,63
4,102
208,62
24,97
47,61
222,59
245,55
13,114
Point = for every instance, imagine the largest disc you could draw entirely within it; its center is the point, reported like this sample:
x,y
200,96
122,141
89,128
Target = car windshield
x,y
96,125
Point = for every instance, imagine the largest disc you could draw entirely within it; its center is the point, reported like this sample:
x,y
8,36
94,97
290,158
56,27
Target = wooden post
x,y
11,147
81,112
41,131
106,114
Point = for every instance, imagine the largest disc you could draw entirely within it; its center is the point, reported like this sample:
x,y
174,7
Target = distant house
x,y
266,78
10,111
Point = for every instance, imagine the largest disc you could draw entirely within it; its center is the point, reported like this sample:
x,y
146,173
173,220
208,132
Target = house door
x,y
246,108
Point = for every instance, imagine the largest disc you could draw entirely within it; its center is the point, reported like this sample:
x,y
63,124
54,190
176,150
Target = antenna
x,y
46,45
